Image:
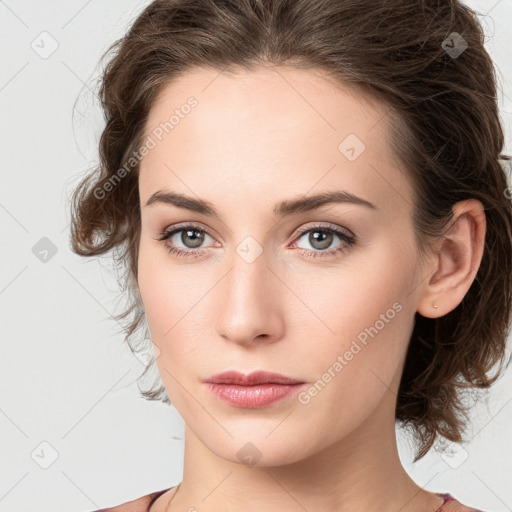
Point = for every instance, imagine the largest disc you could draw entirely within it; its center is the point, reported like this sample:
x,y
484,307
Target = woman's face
x,y
264,285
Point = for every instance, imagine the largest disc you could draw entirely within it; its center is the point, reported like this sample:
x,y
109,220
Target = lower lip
x,y
252,397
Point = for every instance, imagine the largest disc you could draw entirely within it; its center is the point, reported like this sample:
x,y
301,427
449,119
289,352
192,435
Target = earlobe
x,y
457,261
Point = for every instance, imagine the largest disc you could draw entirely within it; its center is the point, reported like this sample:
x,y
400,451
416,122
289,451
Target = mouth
x,y
254,378
253,391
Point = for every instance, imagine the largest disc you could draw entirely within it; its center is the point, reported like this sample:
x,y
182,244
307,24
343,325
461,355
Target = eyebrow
x,y
284,208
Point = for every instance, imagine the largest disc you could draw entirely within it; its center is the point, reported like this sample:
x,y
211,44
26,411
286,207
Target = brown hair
x,y
444,126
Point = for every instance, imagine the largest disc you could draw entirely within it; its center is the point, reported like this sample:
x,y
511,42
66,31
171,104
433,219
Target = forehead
x,y
272,123
280,97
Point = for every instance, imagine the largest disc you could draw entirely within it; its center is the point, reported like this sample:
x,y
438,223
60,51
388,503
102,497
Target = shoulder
x,y
141,504
450,504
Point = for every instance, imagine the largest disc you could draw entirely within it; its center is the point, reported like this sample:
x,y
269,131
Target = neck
x,y
362,471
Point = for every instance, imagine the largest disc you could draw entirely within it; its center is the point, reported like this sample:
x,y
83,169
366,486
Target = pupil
x,y
191,233
322,237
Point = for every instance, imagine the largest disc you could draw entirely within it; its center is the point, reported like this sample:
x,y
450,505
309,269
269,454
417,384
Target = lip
x,y
258,377
253,391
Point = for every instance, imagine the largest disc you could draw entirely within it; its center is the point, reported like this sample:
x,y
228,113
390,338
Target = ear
x,y
456,262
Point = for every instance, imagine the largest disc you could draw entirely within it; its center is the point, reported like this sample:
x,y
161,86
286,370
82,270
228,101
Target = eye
x,y
191,235
321,237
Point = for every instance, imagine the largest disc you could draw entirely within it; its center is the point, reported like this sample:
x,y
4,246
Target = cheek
x,y
367,316
160,293
359,368
158,285
175,299
366,289
168,309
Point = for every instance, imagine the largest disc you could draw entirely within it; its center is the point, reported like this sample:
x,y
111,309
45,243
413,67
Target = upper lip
x,y
259,377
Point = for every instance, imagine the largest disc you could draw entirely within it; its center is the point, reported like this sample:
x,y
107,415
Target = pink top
x,y
143,504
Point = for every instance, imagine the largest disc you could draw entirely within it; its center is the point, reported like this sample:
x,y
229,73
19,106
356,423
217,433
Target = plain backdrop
x,y
75,435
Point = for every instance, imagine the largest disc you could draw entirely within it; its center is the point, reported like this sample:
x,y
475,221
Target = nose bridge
x,y
247,301
248,276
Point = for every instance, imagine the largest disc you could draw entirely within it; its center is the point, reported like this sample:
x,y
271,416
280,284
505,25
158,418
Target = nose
x,y
249,303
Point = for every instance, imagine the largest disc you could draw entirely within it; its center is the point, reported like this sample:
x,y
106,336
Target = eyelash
x,y
195,253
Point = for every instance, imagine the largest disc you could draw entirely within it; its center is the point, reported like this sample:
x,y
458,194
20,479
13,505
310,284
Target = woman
x,y
316,226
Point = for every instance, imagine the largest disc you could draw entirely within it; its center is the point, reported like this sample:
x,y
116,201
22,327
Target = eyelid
x,y
166,233
324,225
296,233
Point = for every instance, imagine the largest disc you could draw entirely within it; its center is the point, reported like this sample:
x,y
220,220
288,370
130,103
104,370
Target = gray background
x,y
75,434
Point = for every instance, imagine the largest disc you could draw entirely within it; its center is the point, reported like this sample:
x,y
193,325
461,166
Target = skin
x,y
255,139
